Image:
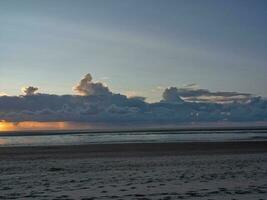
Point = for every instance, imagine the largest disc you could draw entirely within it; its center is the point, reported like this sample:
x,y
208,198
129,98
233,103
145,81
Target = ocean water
x,y
131,137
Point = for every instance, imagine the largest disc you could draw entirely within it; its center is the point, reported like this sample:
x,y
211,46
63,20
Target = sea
x,y
130,136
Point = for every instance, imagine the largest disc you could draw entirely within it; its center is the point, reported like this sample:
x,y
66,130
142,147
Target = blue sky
x,y
133,46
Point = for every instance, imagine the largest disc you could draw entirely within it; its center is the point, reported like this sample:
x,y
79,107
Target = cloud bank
x,y
96,103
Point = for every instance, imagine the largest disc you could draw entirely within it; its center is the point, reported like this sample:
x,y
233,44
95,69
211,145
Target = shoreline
x,y
133,149
147,130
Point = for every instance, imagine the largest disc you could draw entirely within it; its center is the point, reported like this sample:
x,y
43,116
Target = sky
x,y
135,47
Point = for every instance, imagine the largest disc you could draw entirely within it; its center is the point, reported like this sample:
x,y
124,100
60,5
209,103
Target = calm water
x,y
133,137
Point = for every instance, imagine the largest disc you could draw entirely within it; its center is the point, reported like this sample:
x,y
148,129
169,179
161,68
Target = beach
x,y
223,170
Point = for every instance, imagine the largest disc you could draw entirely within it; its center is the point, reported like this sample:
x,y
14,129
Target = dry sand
x,y
236,170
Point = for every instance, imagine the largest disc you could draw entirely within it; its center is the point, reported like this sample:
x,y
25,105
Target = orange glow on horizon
x,y
32,125
6,126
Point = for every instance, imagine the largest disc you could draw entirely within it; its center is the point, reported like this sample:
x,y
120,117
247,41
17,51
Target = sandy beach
x,y
232,170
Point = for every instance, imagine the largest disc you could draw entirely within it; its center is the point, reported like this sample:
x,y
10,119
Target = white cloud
x,y
86,87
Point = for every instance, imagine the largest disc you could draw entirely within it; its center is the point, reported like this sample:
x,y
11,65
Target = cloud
x,y
138,98
171,95
86,87
191,94
191,85
98,104
29,90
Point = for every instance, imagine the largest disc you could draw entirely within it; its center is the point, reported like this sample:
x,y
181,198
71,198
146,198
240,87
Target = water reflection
x,y
2,142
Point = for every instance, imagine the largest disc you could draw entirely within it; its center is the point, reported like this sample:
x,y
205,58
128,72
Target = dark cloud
x,y
98,104
192,94
191,85
29,90
171,95
118,109
138,98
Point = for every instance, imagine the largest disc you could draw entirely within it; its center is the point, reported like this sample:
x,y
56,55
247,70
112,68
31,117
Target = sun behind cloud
x,y
32,125
7,126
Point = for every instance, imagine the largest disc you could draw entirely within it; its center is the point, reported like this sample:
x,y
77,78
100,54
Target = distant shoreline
x,y
133,130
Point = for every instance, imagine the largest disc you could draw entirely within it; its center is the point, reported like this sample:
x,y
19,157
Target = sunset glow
x,y
6,126
31,125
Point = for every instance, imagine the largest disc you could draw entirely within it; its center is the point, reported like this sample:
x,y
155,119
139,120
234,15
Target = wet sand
x,y
232,170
